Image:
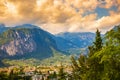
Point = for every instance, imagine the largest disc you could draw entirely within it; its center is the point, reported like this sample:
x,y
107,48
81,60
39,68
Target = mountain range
x,y
30,41
78,40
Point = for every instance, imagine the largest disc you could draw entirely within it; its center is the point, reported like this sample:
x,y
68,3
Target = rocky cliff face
x,y
19,46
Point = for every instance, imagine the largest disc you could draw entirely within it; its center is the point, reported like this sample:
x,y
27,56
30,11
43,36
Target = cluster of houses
x,y
37,76
44,76
33,73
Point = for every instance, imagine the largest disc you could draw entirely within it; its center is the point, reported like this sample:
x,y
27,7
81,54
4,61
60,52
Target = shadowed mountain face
x,y
27,42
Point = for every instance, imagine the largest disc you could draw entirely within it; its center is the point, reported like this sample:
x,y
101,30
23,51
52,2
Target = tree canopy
x,y
102,62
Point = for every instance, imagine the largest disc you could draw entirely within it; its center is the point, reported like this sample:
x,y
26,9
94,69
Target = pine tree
x,y
76,69
11,75
97,45
94,66
88,67
98,41
62,74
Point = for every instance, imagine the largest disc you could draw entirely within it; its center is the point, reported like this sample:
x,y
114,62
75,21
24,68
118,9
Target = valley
x,y
28,52
59,39
28,43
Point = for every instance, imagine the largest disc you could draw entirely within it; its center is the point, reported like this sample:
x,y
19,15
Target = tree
x,y
97,45
98,41
76,69
11,75
80,68
88,67
109,56
3,76
53,75
61,74
95,68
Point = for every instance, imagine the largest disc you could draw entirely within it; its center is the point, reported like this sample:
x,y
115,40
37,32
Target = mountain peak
x,y
2,25
27,26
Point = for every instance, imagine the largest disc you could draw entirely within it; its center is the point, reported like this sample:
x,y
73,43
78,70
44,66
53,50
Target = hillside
x,y
81,39
27,43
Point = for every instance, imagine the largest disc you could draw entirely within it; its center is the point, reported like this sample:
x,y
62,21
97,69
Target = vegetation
x,y
9,35
56,59
102,62
13,74
62,74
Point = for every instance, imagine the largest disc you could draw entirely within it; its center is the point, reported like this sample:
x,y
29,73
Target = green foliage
x,y
61,74
102,62
53,75
113,37
4,37
97,45
98,41
10,34
56,59
3,76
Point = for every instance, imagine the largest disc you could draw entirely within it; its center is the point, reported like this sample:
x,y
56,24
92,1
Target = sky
x,y
57,16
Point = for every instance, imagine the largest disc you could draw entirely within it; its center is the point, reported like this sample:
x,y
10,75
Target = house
x,y
37,77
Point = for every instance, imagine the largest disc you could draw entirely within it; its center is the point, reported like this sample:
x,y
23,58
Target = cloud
x,y
108,21
59,15
107,3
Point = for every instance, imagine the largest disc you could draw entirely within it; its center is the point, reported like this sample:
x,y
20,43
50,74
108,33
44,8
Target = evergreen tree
x,y
97,45
54,75
95,68
88,67
61,74
98,41
3,76
76,69
11,75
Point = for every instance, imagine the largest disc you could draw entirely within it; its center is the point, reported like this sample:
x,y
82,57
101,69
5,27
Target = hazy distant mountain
x,y
64,44
80,39
27,26
3,28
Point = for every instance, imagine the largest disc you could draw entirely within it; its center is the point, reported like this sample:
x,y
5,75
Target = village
x,y
36,73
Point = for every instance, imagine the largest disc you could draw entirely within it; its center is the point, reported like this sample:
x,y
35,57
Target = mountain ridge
x,y
81,39
26,40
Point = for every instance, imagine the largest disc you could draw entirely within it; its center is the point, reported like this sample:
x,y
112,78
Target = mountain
x,y
64,44
30,26
81,40
3,28
22,42
29,41
116,27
